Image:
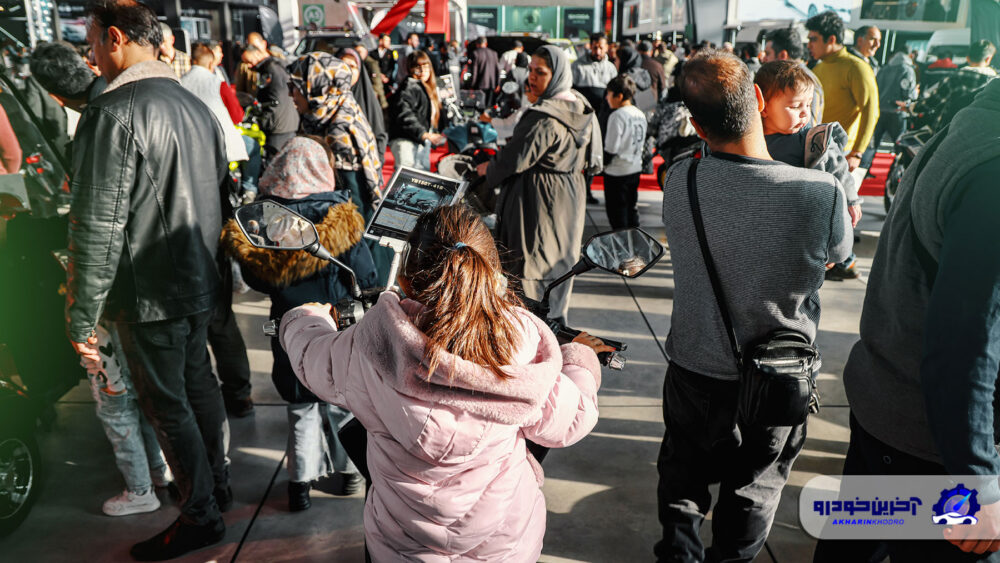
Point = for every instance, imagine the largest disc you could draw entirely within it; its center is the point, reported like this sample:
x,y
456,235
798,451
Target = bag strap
x,y
706,254
927,261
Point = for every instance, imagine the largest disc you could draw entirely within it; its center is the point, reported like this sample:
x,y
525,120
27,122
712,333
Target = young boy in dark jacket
x,y
301,178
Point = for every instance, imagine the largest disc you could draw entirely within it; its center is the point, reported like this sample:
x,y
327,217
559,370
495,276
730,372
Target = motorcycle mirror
x,y
627,252
268,224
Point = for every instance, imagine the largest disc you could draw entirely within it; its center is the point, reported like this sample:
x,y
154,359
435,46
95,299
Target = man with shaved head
x,y
771,229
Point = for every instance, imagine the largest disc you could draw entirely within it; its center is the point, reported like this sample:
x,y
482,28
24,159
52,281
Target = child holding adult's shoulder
x,y
788,89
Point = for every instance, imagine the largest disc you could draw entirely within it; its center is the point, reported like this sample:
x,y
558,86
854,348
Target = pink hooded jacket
x,y
453,480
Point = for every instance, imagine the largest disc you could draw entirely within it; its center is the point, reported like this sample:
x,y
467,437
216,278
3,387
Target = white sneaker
x,y
131,503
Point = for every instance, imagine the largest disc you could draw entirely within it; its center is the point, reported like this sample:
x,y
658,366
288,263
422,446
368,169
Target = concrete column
x,y
226,25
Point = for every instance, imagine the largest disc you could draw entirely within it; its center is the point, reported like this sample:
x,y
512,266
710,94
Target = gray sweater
x,y
882,377
772,228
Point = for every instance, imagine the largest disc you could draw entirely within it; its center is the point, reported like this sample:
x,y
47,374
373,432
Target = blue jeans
x,y
137,453
252,167
313,447
408,153
705,443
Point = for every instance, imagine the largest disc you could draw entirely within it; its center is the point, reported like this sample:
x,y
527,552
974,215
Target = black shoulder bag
x,y
777,373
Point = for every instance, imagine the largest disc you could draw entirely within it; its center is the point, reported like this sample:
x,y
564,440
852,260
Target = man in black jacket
x,y
485,69
279,120
148,163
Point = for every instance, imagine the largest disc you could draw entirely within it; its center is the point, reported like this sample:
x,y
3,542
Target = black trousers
x,y
621,196
705,444
227,343
867,455
180,397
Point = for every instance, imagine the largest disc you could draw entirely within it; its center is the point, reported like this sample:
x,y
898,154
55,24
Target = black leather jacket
x,y
145,218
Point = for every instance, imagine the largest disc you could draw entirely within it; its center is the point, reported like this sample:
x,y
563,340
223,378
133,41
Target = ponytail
x,y
469,312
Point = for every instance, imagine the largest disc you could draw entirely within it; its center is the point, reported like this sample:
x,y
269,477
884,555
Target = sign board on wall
x,y
484,17
578,22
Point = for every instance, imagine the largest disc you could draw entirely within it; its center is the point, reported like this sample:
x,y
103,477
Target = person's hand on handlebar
x,y
593,342
481,169
330,309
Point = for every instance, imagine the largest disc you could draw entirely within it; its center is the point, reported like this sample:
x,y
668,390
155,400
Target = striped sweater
x,y
772,228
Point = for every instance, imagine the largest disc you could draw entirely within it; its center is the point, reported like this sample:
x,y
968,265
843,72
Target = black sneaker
x,y
179,538
839,273
298,496
591,200
239,408
351,484
223,498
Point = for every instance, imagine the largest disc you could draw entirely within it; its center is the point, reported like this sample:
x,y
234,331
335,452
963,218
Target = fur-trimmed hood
x,y
396,347
339,230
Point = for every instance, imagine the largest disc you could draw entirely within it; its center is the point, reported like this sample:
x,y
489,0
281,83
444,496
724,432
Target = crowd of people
x,y
451,376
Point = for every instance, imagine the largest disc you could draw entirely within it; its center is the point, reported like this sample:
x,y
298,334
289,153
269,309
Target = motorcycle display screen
x,y
410,194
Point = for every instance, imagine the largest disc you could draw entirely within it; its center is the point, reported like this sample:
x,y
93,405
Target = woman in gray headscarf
x,y
540,210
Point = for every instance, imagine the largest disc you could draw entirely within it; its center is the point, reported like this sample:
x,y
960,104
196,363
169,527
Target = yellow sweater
x,y
851,96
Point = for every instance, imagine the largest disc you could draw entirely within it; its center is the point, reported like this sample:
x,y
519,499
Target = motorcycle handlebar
x,y
614,360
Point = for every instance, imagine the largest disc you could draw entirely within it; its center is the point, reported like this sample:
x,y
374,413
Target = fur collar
x,y
142,71
338,232
395,346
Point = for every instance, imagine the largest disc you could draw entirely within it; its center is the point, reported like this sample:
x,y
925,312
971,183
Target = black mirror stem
x,y
580,267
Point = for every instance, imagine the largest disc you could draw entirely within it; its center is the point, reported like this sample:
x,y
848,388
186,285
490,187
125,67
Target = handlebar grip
x,y
565,334
618,346
613,360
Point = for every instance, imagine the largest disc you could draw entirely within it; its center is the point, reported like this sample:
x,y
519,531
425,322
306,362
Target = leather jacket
x,y
148,165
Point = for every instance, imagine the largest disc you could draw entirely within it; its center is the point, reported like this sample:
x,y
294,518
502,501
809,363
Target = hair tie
x,y
459,245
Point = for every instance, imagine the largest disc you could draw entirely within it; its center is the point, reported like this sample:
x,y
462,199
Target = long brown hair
x,y
453,269
414,60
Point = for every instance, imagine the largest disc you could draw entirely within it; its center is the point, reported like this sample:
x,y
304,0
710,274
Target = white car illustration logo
x,y
954,518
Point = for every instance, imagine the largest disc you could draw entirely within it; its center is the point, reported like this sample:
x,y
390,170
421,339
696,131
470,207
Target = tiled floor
x,y
600,493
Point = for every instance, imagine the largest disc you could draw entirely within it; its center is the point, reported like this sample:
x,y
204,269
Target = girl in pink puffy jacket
x,y
449,384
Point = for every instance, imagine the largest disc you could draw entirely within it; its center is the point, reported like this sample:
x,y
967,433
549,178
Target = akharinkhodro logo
x,y
957,506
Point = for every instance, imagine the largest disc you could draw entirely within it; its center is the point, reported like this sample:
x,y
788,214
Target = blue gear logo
x,y
956,506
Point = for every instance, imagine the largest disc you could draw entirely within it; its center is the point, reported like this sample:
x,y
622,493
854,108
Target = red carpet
x,y
880,168
646,181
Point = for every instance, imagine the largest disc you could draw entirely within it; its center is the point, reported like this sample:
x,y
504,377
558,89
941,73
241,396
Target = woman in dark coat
x,y
301,178
540,210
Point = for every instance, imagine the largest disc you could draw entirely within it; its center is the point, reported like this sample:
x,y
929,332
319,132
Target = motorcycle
x,y
904,151
627,252
20,459
36,365
466,134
